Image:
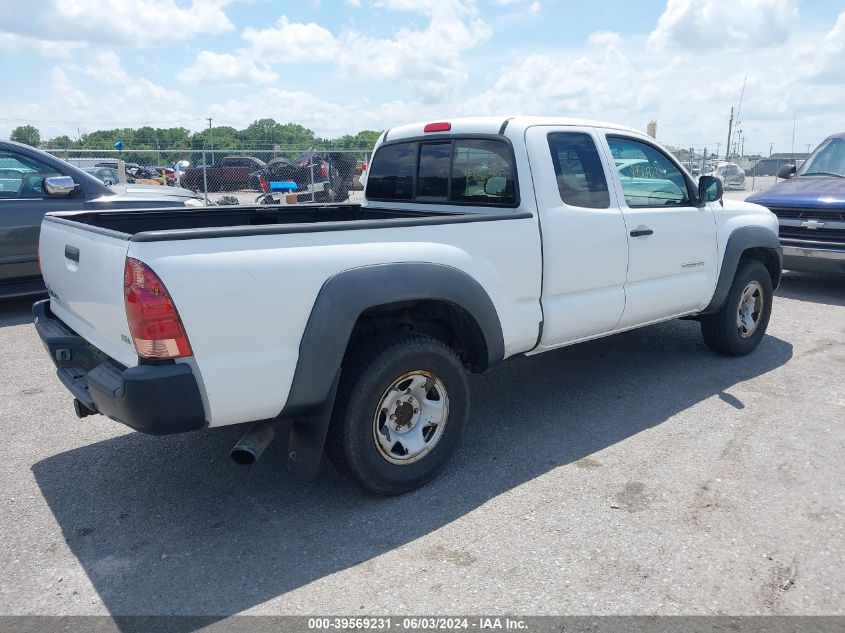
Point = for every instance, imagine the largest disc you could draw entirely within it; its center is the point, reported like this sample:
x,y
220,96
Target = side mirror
x,y
710,189
495,185
786,171
60,186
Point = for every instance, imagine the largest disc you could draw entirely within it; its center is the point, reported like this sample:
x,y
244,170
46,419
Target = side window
x,y
580,176
21,176
483,172
649,178
391,175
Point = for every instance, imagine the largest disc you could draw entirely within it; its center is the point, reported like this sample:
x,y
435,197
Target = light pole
x,y
211,139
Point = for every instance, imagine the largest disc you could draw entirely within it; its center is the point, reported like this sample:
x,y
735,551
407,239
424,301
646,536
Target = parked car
x,y
357,322
731,175
107,175
144,188
230,175
810,206
133,170
175,194
33,182
768,166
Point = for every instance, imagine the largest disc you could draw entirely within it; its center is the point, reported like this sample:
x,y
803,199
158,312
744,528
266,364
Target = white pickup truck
x,y
478,239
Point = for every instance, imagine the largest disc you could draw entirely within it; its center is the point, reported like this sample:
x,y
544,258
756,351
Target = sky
x,y
339,66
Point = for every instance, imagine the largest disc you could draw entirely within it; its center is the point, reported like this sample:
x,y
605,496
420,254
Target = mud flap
x,y
308,436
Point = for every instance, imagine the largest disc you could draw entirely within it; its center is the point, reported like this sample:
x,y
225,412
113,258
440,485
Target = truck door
x,y
672,253
585,250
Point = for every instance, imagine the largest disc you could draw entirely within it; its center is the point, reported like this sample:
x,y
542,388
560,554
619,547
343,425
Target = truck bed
x,y
131,223
153,225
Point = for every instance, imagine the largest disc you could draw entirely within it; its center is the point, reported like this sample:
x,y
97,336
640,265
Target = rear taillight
x,y
324,171
153,321
262,182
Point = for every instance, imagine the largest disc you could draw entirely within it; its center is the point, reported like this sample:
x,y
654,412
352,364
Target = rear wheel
x,y
739,325
401,407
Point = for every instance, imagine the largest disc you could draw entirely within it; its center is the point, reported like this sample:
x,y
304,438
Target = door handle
x,y
641,232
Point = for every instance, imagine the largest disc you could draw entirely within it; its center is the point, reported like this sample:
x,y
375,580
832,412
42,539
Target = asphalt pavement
x,y
637,474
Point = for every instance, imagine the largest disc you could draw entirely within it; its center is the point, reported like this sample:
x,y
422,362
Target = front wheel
x,y
401,407
739,325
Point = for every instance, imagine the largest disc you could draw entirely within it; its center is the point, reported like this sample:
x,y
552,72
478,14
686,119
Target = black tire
x,y
720,330
367,374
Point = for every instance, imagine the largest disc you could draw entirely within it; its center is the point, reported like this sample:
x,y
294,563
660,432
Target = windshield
x,y
829,158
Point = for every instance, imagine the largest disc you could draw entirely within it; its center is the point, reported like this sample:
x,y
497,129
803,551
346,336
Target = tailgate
x,y
83,270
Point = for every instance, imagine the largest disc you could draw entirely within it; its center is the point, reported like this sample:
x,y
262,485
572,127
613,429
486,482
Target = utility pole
x,y
730,128
718,145
792,149
211,139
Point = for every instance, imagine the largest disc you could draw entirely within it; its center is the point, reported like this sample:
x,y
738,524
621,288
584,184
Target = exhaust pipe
x,y
251,446
81,410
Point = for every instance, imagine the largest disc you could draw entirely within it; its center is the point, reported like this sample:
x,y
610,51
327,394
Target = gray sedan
x,y
32,183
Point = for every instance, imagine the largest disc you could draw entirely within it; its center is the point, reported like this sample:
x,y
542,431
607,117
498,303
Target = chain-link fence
x,y
239,176
321,173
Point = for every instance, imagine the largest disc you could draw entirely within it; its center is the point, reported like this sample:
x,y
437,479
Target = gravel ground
x,y
638,474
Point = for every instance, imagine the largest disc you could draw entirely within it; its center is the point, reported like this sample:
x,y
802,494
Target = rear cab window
x,y
463,171
578,170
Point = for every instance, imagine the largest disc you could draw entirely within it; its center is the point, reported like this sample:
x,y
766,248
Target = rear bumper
x,y
813,259
155,399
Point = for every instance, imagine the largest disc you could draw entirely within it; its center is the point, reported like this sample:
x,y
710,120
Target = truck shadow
x,y
18,310
170,526
814,287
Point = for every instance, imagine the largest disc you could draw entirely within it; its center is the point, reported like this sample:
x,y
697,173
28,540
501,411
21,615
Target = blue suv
x,y
810,205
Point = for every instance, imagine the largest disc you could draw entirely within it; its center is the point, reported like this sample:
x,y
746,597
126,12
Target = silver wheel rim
x,y
750,309
411,417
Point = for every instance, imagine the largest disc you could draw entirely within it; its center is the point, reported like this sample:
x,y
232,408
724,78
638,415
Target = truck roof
x,y
497,125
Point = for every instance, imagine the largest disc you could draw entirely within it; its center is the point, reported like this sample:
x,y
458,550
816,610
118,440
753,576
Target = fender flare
x,y
741,240
346,295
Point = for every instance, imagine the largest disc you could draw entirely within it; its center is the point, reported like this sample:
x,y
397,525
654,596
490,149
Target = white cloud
x,y
13,42
427,58
116,99
138,23
326,117
568,85
292,42
603,38
224,68
714,24
687,85
107,69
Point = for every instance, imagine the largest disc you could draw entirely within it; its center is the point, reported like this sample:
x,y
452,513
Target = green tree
x,y
365,139
265,133
61,141
26,134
